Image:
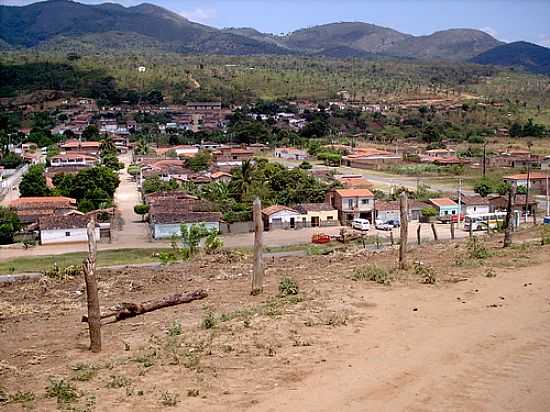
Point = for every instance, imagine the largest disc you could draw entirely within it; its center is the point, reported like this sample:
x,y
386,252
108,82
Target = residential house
x,y
90,148
280,217
31,209
317,214
538,181
545,163
227,158
474,205
290,153
180,150
69,228
368,158
352,204
444,206
73,159
390,210
519,204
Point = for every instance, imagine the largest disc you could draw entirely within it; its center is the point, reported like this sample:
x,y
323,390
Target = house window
x,y
330,218
350,203
446,212
365,201
454,212
277,220
475,208
67,234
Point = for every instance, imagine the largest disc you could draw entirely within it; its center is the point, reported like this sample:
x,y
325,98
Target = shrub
x,y
477,249
169,399
174,329
372,273
429,212
288,286
63,391
425,272
209,321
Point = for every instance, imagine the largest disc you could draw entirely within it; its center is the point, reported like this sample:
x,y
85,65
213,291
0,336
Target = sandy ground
x,y
468,342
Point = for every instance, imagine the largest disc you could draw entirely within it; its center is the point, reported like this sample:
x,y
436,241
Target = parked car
x,y
384,226
360,224
394,223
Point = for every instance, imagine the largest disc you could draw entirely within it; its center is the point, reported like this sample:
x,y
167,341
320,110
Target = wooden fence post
x,y
404,221
434,230
452,231
510,216
392,241
418,229
258,273
94,315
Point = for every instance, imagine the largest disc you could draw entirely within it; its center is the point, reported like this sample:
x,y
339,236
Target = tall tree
x,y
34,183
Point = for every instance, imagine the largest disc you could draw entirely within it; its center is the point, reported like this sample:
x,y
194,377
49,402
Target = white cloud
x,y
200,15
490,30
544,40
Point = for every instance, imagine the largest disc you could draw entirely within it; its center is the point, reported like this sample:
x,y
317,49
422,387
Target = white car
x,y
384,226
360,224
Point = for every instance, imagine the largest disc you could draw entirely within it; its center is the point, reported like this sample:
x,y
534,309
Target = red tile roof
x,y
523,176
268,211
354,193
443,201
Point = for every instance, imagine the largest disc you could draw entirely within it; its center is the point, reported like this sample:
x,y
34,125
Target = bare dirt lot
x,y
475,340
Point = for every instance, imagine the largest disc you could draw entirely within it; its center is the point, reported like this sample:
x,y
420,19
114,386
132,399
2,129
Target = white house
x,y
280,217
290,153
73,159
474,205
64,229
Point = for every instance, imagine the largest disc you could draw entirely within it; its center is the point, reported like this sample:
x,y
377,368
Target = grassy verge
x,y
104,258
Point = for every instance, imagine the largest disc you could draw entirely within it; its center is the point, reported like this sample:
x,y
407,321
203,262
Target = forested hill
x,y
64,24
529,56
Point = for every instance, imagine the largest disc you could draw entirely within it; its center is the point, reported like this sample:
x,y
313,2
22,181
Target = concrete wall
x,y
166,231
237,227
48,237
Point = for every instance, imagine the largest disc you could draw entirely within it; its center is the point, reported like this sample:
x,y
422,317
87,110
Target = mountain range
x,y
71,26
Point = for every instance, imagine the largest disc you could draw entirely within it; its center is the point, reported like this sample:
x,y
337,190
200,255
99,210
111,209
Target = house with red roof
x,y
538,181
352,204
280,217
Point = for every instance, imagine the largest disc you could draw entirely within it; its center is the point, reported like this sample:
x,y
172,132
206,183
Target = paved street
x,y
275,238
9,190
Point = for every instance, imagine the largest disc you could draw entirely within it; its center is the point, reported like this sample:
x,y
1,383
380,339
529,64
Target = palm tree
x,y
243,179
141,147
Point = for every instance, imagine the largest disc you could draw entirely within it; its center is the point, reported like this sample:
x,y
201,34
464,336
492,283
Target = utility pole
x,y
509,217
485,159
547,198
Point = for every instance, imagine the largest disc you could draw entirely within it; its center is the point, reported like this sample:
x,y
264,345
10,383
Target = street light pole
x,y
484,159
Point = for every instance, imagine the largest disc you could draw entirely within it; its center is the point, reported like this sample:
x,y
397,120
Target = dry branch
x,y
130,310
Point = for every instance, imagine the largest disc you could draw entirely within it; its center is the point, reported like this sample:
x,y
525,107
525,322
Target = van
x,y
360,224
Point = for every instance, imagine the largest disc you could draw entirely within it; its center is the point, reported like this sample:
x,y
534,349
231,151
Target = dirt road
x,y
456,352
343,343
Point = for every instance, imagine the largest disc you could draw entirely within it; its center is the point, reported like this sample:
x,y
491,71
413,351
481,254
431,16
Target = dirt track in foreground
x,y
473,344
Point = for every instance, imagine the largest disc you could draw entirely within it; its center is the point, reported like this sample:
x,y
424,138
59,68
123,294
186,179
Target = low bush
x,y
288,286
372,273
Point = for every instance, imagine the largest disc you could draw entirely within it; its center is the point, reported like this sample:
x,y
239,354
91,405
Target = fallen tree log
x,y
130,310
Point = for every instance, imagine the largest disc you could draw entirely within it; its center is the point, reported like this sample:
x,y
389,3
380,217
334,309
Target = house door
x,y
292,223
315,221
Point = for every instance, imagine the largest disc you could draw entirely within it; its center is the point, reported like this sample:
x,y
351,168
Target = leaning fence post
x,y
510,216
434,230
258,272
418,229
94,314
404,221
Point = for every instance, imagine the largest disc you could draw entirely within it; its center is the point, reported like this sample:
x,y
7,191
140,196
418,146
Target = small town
x,y
262,222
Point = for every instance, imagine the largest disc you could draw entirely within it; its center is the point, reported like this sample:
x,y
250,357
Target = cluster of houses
x,y
56,220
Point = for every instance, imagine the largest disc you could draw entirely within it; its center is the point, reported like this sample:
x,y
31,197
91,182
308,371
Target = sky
x,y
507,20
